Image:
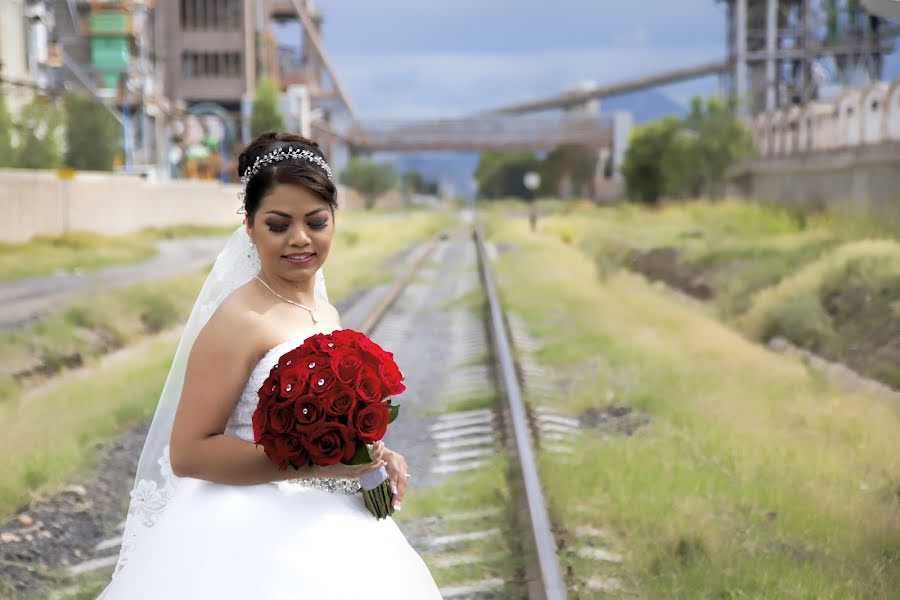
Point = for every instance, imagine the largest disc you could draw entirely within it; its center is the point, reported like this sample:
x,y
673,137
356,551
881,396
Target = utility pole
x,y
771,47
532,182
740,57
141,19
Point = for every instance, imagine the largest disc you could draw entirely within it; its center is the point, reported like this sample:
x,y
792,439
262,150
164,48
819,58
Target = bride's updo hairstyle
x,y
293,171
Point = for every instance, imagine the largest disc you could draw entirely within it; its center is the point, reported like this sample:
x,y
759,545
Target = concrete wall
x,y
41,203
861,180
870,115
892,98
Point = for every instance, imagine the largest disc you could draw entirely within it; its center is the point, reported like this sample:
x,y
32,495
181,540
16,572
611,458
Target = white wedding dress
x,y
287,541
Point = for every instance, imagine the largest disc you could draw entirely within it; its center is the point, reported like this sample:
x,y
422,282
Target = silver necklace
x,y
313,312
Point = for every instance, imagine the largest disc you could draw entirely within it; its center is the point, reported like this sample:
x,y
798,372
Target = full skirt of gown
x,y
270,542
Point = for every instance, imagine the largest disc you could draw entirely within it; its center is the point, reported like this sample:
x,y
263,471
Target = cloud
x,y
430,84
633,37
475,26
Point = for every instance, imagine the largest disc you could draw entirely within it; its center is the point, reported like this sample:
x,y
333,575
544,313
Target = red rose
x,y
372,421
307,410
260,422
313,362
321,381
319,342
292,383
269,389
391,378
332,344
284,450
293,361
288,358
298,455
373,351
368,385
341,402
281,417
346,364
346,338
329,443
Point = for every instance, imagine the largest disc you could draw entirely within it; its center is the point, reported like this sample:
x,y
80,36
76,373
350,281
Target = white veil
x,y
154,482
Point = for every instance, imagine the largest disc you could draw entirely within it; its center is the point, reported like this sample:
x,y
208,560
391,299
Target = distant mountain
x,y
455,169
645,106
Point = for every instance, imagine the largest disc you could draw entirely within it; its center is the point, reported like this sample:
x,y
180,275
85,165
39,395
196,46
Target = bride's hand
x,y
396,470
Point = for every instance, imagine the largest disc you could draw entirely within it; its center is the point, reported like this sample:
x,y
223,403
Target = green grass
x,y
94,325
752,260
870,264
46,255
185,230
739,248
839,306
50,431
755,479
474,401
87,251
363,241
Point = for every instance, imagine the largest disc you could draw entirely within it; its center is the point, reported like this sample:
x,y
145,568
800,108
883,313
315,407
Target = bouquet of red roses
x,y
324,401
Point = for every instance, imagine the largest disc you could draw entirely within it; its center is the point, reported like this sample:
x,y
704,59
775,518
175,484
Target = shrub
x,y
794,308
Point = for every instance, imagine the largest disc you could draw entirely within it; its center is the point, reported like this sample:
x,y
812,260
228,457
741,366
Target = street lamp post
x,y
532,182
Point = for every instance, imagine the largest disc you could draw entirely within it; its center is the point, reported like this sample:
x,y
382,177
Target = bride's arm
x,y
217,370
218,366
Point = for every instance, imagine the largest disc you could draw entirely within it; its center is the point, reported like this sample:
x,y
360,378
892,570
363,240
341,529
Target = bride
x,y
210,516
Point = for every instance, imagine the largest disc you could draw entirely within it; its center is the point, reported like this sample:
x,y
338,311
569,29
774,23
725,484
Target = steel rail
x,y
374,316
551,581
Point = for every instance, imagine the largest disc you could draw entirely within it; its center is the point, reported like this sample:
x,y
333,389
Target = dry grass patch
x,y
754,479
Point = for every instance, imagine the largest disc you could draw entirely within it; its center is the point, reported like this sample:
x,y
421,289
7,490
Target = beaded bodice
x,y
240,423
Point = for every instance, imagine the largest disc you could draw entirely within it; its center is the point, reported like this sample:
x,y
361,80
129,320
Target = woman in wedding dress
x,y
210,516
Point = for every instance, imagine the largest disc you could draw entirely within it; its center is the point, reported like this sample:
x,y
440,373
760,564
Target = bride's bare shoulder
x,y
236,319
330,312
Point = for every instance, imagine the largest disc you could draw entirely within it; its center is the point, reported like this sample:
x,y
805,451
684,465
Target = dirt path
x,y
24,299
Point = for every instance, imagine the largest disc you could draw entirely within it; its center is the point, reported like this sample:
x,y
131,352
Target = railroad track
x,y
464,415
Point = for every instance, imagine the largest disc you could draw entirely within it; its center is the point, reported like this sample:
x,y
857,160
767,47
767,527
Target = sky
x,y
415,58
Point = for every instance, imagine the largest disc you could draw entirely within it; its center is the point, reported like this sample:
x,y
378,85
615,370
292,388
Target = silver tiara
x,y
281,154
274,156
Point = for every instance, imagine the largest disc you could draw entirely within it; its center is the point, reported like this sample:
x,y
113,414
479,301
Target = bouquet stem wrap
x,y
376,492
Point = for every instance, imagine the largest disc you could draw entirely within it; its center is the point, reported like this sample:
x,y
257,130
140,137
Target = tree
x,y
39,131
722,141
369,178
92,135
569,169
414,182
688,158
500,174
266,115
7,154
642,165
682,166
